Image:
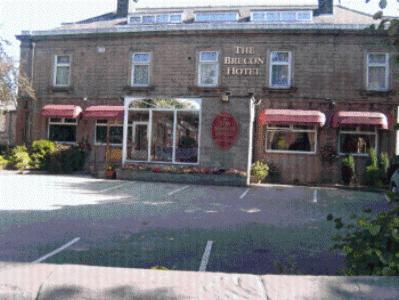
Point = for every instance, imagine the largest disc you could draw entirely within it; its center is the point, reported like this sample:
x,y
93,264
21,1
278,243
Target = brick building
x,y
216,86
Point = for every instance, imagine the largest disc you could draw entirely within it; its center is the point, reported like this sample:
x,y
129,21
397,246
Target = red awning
x,y
61,111
360,118
292,116
104,112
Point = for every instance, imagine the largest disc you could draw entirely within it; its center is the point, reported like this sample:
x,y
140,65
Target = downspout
x,y
250,136
31,79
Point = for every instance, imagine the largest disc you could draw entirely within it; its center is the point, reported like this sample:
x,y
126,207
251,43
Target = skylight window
x,y
156,19
226,16
282,16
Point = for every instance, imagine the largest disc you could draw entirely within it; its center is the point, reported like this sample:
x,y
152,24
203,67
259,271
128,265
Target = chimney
x,y
326,7
122,8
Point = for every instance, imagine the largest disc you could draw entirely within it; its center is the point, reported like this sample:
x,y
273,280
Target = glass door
x,y
140,141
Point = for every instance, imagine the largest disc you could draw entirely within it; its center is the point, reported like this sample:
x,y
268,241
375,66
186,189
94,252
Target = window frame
x,y
133,64
289,64
290,128
279,12
357,132
156,16
62,122
96,143
385,65
149,133
208,62
56,65
210,13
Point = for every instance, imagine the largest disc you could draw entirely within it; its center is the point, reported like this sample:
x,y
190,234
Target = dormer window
x,y
282,16
168,18
220,16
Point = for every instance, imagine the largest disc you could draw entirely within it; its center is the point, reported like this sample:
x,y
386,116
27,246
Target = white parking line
x,y
387,197
244,194
115,187
315,194
178,190
205,256
56,251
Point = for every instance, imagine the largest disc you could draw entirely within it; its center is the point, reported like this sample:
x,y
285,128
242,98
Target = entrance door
x,y
140,141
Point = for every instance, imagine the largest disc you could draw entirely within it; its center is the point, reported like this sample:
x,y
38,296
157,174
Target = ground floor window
x,y
3,121
115,133
357,139
291,138
62,130
164,130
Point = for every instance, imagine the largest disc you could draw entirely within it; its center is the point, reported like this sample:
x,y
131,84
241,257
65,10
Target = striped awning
x,y
360,118
292,116
104,112
61,111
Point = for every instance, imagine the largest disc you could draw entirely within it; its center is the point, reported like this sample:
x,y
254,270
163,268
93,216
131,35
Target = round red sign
x,y
224,130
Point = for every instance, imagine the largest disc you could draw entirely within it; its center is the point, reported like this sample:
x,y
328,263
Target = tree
x,y
12,81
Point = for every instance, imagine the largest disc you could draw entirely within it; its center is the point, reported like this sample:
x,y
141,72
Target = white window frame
x,y
297,13
357,132
271,64
62,122
156,16
208,62
96,143
149,63
3,121
210,13
385,65
149,132
290,127
56,65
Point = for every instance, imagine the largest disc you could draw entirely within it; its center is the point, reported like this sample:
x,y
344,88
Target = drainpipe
x,y
250,136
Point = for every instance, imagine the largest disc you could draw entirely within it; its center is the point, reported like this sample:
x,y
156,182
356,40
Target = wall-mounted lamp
x,y
226,96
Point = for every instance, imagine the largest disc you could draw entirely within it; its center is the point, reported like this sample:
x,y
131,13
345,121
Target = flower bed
x,y
193,175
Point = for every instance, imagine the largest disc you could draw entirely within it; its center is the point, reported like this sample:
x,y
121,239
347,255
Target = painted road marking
x,y
178,190
387,197
205,257
115,187
315,194
56,251
244,194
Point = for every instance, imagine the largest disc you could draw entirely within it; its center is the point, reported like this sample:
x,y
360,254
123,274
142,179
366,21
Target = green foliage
x,y
41,150
348,169
3,162
65,159
377,170
373,176
260,170
370,243
20,158
384,167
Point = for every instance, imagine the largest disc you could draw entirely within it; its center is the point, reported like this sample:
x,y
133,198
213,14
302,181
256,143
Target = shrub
x,y
41,149
384,167
348,169
20,158
3,162
373,176
377,170
260,170
65,159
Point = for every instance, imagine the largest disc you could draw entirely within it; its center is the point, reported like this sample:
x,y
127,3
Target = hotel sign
x,y
243,63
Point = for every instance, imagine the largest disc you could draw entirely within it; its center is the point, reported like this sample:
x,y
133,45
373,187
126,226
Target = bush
x,y
377,170
373,176
20,158
3,162
41,150
370,244
260,170
384,167
65,159
348,169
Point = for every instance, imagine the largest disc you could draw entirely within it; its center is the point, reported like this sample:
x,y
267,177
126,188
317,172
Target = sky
x,y
18,15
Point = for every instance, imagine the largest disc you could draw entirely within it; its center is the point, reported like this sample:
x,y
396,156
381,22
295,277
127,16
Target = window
x,y
291,138
208,68
288,16
62,130
3,121
62,70
156,19
141,69
377,71
357,140
164,131
280,69
223,16
115,133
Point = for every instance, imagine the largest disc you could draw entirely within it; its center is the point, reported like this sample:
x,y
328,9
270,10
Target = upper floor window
x,y
280,69
62,70
289,16
141,69
222,16
208,68
156,19
377,71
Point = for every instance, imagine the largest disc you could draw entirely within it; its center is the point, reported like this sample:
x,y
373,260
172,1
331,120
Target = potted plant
x,y
259,171
348,170
110,172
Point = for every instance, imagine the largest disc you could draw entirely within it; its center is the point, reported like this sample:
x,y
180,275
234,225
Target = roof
x,y
342,19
